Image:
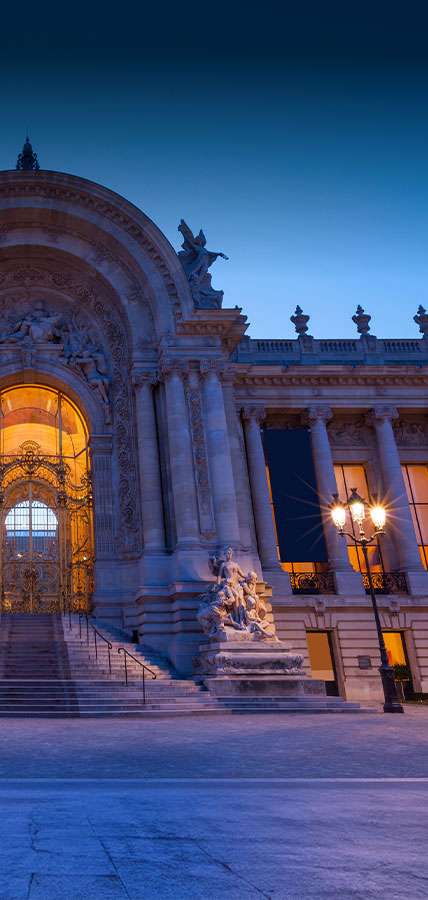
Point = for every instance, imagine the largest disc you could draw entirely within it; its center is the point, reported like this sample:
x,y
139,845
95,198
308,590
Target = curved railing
x,y
97,634
91,629
143,666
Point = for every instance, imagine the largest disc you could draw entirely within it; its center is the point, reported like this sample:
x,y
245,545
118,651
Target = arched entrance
x,y
46,541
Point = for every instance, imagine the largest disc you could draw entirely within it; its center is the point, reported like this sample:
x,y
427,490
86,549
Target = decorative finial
x,y
27,160
300,321
421,319
361,320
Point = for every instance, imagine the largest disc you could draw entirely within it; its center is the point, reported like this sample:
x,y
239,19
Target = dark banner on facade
x,y
295,497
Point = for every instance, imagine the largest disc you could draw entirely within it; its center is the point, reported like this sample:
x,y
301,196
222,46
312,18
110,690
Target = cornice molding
x,y
321,379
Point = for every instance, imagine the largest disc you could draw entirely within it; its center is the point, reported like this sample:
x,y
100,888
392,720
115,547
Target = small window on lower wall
x,y
321,659
320,655
395,648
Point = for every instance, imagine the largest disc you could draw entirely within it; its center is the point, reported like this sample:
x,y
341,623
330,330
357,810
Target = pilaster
x,y
149,465
219,455
180,455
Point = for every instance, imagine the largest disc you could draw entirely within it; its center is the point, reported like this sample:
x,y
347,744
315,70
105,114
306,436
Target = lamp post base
x,y
392,703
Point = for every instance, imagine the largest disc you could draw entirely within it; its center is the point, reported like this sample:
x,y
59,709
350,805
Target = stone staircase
x,y
51,668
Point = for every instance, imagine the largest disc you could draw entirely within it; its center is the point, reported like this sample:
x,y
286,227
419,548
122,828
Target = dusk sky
x,y
300,144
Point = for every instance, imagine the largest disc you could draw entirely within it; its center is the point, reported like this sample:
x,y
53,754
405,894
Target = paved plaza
x,y
286,807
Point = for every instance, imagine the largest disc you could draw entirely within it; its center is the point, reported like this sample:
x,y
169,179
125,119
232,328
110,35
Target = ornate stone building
x,y
142,432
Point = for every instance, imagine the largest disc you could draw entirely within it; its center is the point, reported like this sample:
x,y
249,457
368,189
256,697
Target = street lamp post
x,y
378,516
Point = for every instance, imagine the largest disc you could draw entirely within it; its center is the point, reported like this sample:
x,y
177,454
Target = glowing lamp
x,y
356,505
378,516
338,513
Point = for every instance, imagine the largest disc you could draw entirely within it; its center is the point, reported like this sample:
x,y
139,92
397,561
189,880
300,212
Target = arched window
x,y
31,523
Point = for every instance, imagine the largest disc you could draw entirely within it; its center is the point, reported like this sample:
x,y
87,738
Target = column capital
x,y
140,378
169,366
381,414
317,414
256,413
212,367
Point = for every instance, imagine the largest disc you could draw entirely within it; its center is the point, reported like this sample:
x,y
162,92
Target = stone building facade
x,y
98,308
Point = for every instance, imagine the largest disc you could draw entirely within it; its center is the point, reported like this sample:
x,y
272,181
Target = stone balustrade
x,y
367,350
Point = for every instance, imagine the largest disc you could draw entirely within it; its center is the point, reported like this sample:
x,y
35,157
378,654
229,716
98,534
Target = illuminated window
x,y
31,524
395,648
347,478
416,481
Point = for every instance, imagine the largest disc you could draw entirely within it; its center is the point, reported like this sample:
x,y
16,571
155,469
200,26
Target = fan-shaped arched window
x,y
31,521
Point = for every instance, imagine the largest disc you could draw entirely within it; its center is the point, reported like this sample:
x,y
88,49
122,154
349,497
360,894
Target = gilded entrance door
x,y
46,540
46,559
31,555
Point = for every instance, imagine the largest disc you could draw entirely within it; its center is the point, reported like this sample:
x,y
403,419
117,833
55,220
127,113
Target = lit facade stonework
x,y
176,399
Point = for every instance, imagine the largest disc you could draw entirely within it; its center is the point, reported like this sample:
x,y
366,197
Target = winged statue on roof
x,y
196,260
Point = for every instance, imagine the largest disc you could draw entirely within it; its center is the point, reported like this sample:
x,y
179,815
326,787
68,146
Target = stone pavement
x,y
288,808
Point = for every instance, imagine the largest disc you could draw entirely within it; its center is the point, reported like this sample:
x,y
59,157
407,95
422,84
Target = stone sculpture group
x,y
196,261
231,607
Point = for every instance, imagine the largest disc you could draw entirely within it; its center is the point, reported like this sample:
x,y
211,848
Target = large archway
x,y
46,545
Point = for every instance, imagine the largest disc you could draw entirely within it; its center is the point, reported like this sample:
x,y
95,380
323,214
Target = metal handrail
x,y
143,666
96,633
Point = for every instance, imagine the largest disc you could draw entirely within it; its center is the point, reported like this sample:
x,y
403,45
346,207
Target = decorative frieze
x,y
410,433
350,433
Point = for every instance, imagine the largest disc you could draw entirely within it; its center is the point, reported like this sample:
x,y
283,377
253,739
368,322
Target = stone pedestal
x,y
252,668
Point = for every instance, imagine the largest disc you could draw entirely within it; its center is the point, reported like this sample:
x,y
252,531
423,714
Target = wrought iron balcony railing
x,y
312,582
386,582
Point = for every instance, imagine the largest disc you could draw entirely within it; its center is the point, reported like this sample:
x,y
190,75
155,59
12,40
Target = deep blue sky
x,y
299,141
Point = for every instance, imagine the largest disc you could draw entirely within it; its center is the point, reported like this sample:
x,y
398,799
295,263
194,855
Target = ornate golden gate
x,y
46,539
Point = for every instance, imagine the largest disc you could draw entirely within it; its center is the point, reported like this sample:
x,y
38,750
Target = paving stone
x,y
81,887
192,837
14,887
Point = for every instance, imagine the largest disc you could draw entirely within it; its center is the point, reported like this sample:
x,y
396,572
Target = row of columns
x,y
400,520
223,468
181,459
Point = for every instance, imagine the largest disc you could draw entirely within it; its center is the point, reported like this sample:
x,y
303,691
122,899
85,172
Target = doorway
x,y
46,544
321,657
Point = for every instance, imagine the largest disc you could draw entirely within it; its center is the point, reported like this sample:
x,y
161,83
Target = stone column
x,y
400,519
149,466
265,529
181,458
347,580
240,468
220,462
